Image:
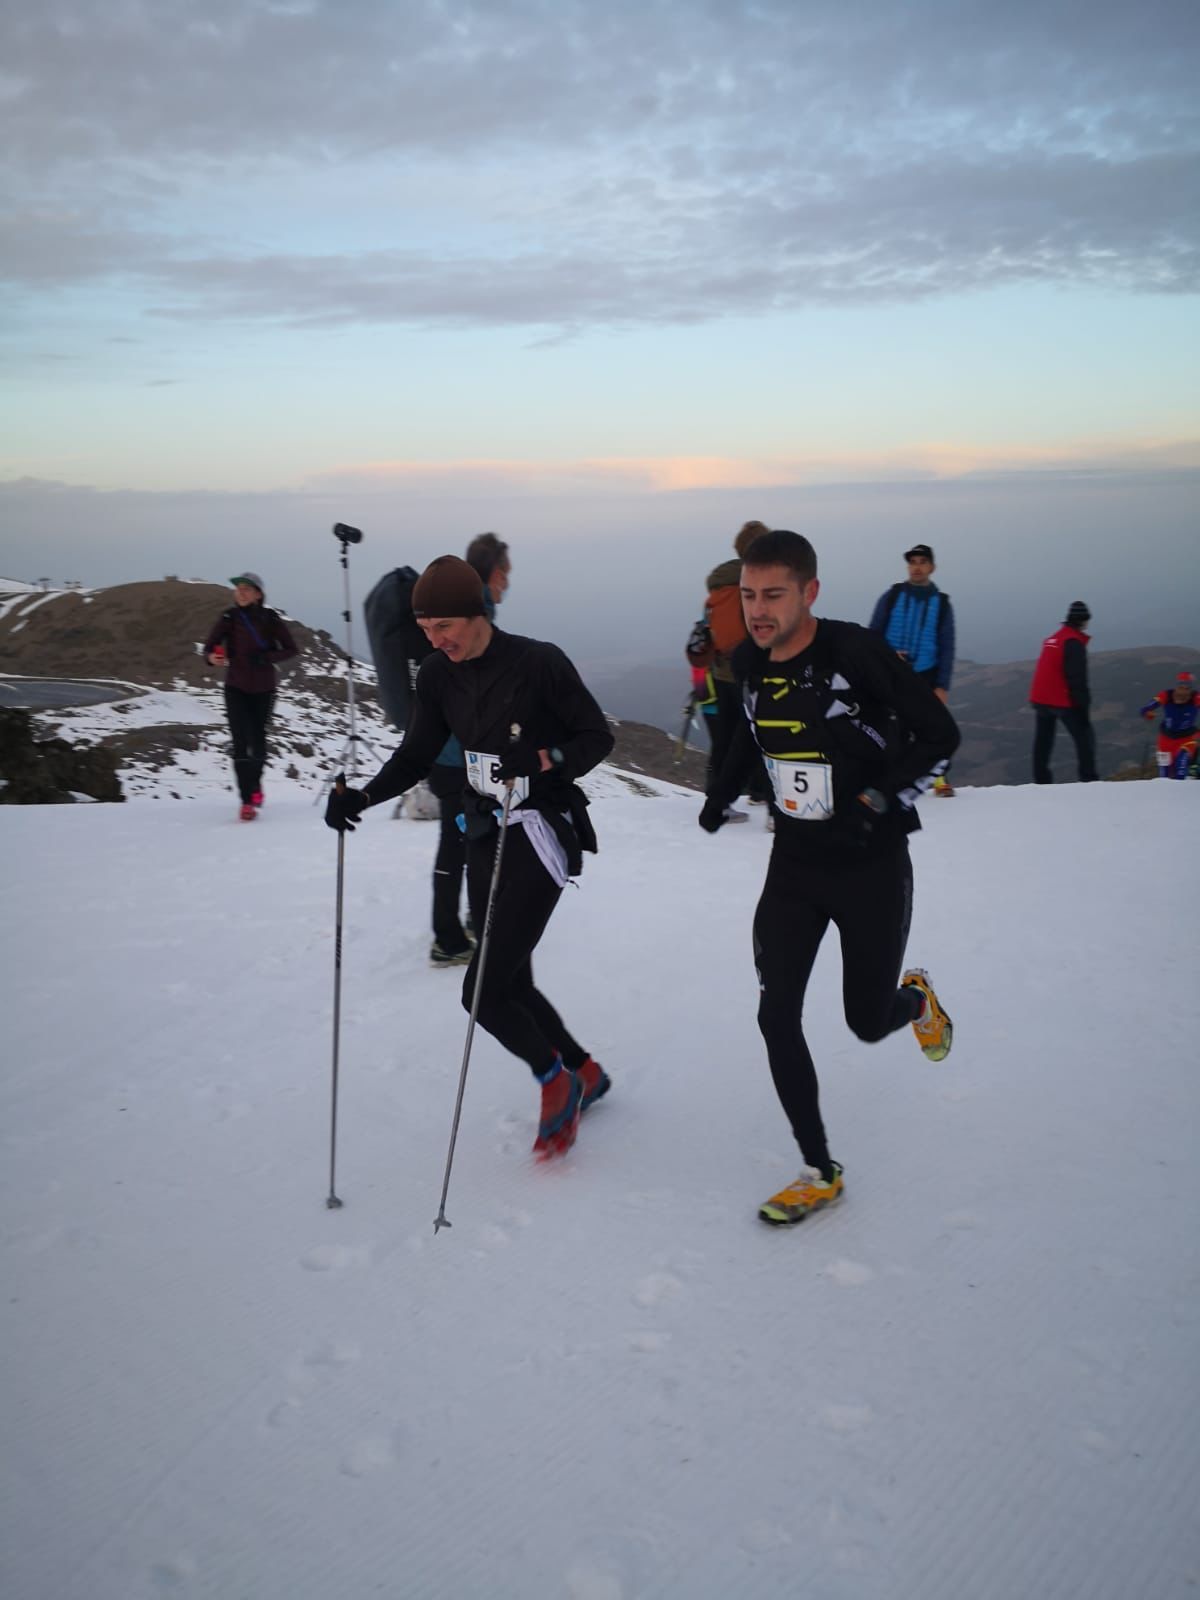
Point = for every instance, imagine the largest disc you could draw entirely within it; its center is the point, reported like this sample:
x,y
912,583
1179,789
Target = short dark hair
x,y
783,548
486,552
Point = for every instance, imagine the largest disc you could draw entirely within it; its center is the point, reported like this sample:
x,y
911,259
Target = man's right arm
x,y
424,740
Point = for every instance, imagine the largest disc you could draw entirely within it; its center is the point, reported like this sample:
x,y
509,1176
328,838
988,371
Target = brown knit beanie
x,y
448,588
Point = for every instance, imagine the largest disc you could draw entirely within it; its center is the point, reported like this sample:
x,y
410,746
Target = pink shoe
x,y
256,799
247,813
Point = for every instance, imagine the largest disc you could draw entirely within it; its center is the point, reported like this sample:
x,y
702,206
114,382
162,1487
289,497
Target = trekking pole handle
x,y
514,733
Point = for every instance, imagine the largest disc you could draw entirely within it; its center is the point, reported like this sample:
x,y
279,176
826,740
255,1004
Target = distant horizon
x,y
617,578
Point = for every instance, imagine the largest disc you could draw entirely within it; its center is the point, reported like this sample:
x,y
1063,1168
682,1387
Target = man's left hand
x,y
521,760
942,694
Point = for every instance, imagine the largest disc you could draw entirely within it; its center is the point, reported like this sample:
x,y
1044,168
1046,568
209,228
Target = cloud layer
x,y
558,166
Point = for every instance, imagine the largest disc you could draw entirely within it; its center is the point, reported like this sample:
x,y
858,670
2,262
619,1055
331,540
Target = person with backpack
x,y
1060,693
522,715
398,646
917,620
1178,735
713,650
851,739
249,640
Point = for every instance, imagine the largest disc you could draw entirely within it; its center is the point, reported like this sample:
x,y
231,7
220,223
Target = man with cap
x,y
249,641
523,717
1059,693
917,620
1177,732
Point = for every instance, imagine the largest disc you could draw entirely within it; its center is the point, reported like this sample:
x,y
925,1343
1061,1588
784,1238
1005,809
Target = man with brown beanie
x,y
524,718
1060,693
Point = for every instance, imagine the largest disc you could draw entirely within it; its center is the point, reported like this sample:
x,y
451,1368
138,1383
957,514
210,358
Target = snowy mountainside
x,y
166,722
973,1380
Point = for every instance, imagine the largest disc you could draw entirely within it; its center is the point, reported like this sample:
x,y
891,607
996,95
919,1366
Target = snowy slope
x,y
976,1378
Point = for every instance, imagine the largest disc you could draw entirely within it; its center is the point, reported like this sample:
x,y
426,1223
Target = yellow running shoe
x,y
933,1028
809,1193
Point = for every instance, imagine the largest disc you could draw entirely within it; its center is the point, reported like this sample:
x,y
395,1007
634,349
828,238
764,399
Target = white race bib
x,y
481,775
803,789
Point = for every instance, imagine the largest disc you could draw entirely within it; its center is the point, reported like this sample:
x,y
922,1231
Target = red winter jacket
x,y
1060,678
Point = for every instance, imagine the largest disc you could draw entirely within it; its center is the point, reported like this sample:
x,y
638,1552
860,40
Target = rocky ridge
x,y
166,728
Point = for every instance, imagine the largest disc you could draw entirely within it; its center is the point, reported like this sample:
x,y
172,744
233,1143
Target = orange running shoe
x,y
933,1028
810,1192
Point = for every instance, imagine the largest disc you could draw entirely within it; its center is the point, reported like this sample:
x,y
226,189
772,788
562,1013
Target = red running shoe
x,y
594,1081
247,813
562,1097
256,799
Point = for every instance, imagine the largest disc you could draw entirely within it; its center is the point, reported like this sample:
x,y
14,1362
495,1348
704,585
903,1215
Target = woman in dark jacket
x,y
249,641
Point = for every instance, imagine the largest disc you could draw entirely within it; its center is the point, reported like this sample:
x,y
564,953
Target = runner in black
x,y
851,737
478,685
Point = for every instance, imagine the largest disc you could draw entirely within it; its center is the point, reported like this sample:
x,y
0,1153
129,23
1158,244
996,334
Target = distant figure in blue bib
x,y
1178,732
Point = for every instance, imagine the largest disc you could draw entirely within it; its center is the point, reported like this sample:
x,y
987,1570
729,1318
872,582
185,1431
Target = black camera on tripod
x,y
347,534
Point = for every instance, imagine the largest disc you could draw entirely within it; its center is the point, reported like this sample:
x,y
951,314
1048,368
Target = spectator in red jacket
x,y
1060,693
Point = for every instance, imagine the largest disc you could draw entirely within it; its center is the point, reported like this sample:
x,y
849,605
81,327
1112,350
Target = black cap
x,y
1078,614
923,551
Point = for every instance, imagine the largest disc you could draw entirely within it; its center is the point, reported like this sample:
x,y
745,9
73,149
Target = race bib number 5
x,y
483,778
803,789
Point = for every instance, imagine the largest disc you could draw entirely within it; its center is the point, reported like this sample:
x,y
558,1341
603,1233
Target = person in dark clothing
x,y
524,717
1060,693
249,640
850,738
452,943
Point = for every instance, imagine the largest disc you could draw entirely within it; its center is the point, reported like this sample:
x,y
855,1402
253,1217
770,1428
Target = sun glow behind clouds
x,y
675,474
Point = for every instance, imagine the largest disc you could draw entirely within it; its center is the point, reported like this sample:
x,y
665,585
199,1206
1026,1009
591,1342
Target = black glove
x,y
863,816
518,760
712,816
345,808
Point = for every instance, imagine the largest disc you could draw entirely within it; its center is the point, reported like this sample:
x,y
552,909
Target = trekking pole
x,y
442,1220
332,1202
689,712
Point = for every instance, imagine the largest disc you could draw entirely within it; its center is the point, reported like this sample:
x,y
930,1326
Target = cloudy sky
x,y
609,279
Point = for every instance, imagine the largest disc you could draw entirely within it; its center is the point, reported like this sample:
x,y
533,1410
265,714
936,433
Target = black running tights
x,y
510,1008
248,716
870,904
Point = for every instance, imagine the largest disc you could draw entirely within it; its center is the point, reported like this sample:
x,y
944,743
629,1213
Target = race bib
x,y
482,776
803,789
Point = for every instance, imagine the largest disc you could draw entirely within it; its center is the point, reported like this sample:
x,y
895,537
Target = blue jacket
x,y
918,622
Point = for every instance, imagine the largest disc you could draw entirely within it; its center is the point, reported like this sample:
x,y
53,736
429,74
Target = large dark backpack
x,y
397,642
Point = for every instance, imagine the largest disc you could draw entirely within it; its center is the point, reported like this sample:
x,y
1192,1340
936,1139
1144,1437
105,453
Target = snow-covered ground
x,y
974,1380
307,738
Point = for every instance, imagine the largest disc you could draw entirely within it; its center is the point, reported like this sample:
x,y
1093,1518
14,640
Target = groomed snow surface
x,y
976,1379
